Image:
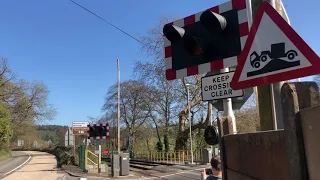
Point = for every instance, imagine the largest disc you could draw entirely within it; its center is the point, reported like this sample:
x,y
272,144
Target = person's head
x,y
216,165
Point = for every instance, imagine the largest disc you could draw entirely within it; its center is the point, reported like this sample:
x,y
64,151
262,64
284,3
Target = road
x,y
183,175
17,160
42,166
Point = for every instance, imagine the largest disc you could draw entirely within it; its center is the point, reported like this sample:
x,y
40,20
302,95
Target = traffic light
x,y
212,39
98,131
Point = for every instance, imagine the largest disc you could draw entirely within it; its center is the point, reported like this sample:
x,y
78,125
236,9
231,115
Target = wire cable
x,y
108,22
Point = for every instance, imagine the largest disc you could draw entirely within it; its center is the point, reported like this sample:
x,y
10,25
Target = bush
x,y
5,128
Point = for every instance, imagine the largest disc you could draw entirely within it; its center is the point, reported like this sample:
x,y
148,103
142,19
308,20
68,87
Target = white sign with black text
x,y
218,87
80,124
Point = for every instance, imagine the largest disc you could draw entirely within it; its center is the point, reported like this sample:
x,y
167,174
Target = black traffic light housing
x,y
101,130
214,37
211,135
97,130
92,131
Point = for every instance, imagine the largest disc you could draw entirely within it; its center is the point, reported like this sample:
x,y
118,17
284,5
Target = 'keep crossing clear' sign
x,y
218,87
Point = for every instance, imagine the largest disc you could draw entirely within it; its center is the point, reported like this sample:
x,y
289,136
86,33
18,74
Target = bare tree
x,y
162,98
134,111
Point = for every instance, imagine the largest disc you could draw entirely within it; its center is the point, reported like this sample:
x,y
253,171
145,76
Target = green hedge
x,y
4,155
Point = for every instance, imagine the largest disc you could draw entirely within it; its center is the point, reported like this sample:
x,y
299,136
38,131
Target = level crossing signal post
x,y
209,40
219,38
98,132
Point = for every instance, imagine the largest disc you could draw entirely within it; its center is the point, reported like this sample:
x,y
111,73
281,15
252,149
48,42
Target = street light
x,y
190,132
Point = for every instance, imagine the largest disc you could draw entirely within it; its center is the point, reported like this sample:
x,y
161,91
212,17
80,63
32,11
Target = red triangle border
x,y
303,47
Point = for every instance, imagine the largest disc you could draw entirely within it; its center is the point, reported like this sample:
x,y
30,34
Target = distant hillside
x,y
55,133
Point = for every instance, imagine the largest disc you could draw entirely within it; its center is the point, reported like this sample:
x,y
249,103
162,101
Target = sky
x,y
74,53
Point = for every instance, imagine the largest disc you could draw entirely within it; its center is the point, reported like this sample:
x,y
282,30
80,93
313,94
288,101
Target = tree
x,y
27,102
247,118
161,101
29,105
5,128
6,78
152,73
134,111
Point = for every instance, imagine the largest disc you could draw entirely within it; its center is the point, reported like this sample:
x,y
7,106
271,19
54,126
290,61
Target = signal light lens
x,y
173,33
213,22
192,46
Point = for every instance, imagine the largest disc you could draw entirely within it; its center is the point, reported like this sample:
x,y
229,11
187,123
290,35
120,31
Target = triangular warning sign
x,y
273,52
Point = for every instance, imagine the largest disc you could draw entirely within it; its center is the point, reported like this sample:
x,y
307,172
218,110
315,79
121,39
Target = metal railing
x,y
172,157
91,159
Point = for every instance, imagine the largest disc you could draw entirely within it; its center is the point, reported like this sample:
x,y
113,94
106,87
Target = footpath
x,y
41,166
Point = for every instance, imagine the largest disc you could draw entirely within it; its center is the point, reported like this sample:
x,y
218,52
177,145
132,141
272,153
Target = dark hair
x,y
216,162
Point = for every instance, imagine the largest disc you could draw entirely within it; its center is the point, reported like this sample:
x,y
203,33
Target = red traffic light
x,y
213,22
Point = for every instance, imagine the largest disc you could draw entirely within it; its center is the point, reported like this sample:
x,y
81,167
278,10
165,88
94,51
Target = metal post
x,y
276,87
190,130
118,125
99,160
74,147
268,95
68,137
210,119
227,108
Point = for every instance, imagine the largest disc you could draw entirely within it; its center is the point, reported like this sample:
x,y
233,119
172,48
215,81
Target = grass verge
x,y
4,155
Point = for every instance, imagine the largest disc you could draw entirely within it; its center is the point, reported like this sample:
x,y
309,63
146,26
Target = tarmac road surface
x,y
17,160
42,166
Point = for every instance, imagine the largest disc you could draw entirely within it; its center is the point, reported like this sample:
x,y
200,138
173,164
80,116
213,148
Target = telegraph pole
x,y
118,123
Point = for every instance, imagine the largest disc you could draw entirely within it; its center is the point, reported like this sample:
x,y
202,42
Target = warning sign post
x,y
218,87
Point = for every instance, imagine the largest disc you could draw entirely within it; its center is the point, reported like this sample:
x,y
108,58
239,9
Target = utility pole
x,y
227,108
118,126
268,95
190,130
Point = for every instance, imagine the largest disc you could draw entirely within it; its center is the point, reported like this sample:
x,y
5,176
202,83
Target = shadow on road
x,y
38,163
46,170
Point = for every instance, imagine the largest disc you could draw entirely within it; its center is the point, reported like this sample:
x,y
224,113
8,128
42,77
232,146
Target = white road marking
x,y
18,166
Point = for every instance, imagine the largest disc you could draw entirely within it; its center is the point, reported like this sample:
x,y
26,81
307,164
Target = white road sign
x,y
80,124
273,52
218,87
